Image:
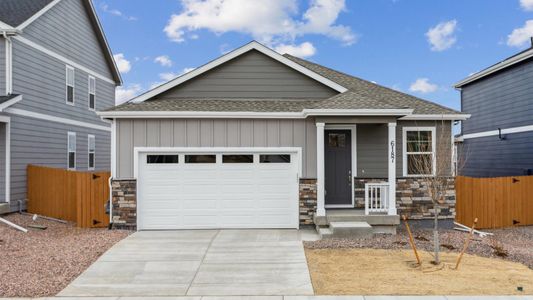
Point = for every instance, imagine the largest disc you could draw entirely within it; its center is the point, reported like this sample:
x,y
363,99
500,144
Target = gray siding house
x,y
498,139
56,71
255,139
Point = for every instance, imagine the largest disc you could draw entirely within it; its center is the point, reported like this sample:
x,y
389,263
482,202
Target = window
x,y
71,151
92,92
237,158
337,140
201,159
91,145
70,84
419,151
275,158
162,159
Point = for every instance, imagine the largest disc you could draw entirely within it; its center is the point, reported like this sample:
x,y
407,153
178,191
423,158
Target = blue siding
x,y
492,157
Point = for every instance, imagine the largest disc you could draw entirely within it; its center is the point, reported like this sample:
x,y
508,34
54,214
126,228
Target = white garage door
x,y
217,190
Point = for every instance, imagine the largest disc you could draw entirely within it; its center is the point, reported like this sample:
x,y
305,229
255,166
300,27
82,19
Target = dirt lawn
x,y
42,262
394,272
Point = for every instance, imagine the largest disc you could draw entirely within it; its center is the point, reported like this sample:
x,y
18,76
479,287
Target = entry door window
x,y
337,140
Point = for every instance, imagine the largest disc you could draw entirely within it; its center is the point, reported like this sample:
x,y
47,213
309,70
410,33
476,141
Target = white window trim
x,y
71,134
89,152
67,68
433,148
90,77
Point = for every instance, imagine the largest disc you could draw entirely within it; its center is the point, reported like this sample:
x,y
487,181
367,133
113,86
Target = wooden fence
x,y
78,197
496,202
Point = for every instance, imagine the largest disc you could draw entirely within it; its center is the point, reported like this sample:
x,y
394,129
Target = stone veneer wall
x,y
412,198
124,201
307,201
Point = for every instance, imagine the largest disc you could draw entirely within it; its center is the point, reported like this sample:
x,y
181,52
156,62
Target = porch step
x,y
350,229
4,208
325,232
370,219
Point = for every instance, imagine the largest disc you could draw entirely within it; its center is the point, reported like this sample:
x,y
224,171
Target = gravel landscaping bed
x,y
513,244
42,262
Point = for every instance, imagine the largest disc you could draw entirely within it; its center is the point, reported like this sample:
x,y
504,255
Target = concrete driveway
x,y
198,263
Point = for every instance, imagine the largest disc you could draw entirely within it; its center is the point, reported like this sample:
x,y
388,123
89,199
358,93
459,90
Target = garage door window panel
x,y
274,158
162,159
201,159
237,158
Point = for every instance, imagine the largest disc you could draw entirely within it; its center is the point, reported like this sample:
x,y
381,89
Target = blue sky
x,y
421,47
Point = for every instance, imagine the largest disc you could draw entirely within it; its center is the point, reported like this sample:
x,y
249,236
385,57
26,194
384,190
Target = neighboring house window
x,y
91,149
92,92
71,152
418,151
70,84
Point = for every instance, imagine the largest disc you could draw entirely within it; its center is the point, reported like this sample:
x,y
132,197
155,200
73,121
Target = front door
x,y
338,168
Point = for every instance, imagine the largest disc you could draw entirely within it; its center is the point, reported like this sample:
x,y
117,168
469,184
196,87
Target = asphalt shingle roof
x,y
361,94
15,12
7,98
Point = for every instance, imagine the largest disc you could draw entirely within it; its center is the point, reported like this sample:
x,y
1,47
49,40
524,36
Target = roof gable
x,y
16,12
232,55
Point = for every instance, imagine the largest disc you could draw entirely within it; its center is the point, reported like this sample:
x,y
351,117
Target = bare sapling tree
x,y
429,155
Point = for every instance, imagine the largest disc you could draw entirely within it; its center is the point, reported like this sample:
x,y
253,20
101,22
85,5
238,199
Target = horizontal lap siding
x,y
491,157
252,75
214,133
44,143
500,101
67,30
41,80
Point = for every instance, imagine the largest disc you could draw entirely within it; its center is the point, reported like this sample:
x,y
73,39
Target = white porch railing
x,y
376,197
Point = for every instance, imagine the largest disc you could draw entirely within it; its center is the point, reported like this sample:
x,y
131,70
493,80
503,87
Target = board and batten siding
x,y
41,79
214,133
44,143
67,30
2,66
502,100
372,147
252,75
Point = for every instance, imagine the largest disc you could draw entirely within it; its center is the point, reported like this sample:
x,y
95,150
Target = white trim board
x,y
353,130
231,55
510,130
451,117
7,121
10,102
31,114
243,114
9,65
63,59
495,68
38,14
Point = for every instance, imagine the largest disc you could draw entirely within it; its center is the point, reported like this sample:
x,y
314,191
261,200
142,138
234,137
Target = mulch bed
x,y
513,244
43,262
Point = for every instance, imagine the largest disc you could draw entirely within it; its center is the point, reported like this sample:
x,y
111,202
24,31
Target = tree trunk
x,y
436,244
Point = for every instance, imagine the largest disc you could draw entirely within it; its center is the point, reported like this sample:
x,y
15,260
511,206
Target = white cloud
x,y
123,94
271,22
303,50
527,5
168,76
163,60
441,37
521,36
116,12
124,66
422,85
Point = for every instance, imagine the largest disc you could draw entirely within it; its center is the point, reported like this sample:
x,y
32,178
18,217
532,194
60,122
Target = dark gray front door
x,y
338,166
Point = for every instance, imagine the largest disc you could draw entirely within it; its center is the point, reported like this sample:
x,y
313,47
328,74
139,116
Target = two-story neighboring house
x,y
498,139
56,71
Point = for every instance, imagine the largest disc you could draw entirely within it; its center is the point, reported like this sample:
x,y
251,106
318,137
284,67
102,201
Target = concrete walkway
x,y
297,298
199,263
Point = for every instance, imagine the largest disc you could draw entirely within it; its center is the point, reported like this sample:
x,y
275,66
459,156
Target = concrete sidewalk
x,y
199,263
296,298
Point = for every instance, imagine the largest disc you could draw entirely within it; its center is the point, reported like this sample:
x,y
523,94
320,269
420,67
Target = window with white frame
x,y
71,151
418,151
92,92
70,84
91,151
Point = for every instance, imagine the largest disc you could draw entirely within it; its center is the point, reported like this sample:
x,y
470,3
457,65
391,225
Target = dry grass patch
x,y
394,272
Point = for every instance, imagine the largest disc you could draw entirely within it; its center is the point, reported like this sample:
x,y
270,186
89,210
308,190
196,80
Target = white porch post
x,y
320,175
392,168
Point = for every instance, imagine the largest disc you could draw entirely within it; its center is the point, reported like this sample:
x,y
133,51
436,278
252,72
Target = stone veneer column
x,y
124,204
307,199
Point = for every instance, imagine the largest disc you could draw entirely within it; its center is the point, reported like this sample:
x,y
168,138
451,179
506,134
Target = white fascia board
x,y
231,55
255,115
511,130
499,66
451,117
4,26
10,102
38,14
